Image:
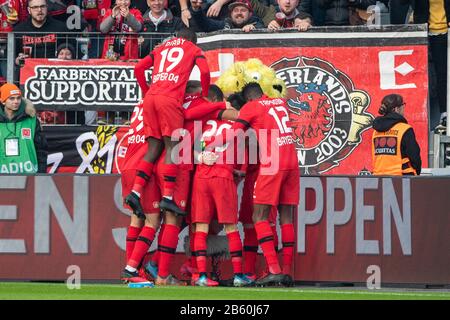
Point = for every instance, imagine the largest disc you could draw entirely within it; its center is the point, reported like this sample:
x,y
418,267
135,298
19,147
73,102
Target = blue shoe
x,y
242,281
204,281
147,284
151,269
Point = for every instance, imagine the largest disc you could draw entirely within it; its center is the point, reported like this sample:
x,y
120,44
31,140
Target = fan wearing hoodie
x,y
395,150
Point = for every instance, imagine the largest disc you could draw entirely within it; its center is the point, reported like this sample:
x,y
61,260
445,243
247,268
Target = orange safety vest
x,y
387,154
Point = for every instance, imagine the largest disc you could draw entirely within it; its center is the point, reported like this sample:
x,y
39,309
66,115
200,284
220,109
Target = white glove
x,y
207,157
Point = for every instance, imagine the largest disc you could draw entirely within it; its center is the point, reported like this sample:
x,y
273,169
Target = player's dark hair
x,y
389,103
215,94
187,34
252,91
193,86
236,100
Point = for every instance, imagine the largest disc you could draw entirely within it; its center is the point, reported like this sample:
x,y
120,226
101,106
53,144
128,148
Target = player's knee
x,y
152,221
136,222
202,227
171,218
258,216
230,228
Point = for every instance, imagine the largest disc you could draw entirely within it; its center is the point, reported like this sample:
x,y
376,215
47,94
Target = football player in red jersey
x,y
194,107
214,192
139,237
173,62
140,234
278,181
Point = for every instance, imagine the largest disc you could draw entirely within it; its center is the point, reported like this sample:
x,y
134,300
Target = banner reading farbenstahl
x,y
85,84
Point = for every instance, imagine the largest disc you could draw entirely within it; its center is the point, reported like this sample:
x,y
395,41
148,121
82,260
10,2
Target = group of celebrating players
x,y
155,180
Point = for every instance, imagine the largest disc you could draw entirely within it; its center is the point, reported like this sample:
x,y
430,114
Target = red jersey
x,y
197,109
137,146
269,117
172,63
226,161
95,10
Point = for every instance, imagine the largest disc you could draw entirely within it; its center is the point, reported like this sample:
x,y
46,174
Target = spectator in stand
x,y
398,11
344,12
212,9
121,19
311,7
44,42
10,14
241,17
57,9
94,12
142,5
23,147
265,13
288,16
436,13
157,19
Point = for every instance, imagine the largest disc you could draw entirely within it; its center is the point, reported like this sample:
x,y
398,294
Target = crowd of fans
x,y
120,23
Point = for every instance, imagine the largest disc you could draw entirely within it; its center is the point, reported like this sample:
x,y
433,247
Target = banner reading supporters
x,y
85,84
336,79
345,225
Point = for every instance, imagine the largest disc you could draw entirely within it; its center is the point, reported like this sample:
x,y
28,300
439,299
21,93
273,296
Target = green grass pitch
x,y
59,291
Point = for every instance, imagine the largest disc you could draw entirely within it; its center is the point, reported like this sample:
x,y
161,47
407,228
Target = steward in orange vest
x,y
395,150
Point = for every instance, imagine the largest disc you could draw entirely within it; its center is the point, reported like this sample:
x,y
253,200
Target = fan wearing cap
x,y
288,16
241,17
23,147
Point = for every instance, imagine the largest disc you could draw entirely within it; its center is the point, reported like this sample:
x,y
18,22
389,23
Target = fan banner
x,y
335,79
95,84
348,229
86,149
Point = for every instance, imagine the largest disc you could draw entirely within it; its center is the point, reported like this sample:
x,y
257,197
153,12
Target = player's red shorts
x,y
214,195
182,188
151,195
280,188
246,207
162,116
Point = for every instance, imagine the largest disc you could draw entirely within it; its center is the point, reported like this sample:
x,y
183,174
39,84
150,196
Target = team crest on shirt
x,y
326,112
26,133
155,204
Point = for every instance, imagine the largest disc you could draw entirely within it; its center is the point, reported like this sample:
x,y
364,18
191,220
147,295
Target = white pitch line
x,y
410,294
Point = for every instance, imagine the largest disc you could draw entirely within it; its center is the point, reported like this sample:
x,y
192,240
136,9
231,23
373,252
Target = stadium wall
x,y
345,224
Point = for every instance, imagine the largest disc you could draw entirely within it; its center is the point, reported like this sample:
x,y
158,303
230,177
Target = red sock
x,y
200,250
288,238
250,250
169,171
235,245
155,257
275,237
132,234
191,246
143,242
265,239
167,248
144,172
